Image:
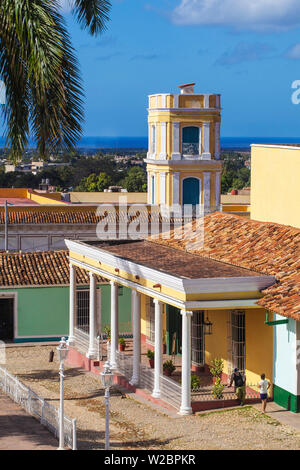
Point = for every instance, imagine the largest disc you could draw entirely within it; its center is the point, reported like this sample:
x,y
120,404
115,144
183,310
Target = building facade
x,y
183,159
35,293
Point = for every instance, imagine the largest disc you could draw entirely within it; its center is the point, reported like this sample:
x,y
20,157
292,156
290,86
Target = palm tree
x,y
44,96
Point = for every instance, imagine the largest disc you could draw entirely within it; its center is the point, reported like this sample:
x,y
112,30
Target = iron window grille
x,y
83,309
198,338
238,340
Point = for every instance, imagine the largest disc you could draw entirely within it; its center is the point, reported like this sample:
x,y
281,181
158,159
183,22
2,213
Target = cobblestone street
x,y
136,425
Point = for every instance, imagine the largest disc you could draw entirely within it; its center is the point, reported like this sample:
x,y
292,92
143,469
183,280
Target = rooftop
x,y
267,248
172,261
46,268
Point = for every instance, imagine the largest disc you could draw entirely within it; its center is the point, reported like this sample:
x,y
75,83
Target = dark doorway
x,y
6,319
174,330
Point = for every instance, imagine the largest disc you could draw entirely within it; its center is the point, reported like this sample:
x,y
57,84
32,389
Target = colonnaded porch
x,y
133,363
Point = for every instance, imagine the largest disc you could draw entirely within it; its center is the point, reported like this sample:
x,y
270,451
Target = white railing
x,y
47,414
170,390
82,342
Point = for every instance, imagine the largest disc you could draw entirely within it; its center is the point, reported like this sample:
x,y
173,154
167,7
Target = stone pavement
x,y
282,415
20,431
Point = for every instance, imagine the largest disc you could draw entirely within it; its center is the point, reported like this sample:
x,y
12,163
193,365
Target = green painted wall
x,y
286,399
124,308
44,311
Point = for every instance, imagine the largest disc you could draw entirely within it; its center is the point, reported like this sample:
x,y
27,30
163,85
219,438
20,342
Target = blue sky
x,y
247,50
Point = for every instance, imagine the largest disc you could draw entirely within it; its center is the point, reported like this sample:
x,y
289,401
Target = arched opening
x,y
190,140
191,190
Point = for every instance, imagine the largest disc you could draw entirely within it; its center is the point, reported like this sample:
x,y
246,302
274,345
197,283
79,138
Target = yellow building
x,y
275,189
183,159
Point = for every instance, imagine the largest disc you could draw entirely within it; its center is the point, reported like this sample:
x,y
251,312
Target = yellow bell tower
x,y
183,159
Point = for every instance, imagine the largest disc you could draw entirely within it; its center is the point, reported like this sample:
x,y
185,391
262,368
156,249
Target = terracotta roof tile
x,y
70,216
267,248
44,268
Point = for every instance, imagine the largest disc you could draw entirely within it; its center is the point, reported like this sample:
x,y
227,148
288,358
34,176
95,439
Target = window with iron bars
x,y
238,339
83,309
198,338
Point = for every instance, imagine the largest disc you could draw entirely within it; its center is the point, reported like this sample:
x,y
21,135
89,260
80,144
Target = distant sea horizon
x,y
98,142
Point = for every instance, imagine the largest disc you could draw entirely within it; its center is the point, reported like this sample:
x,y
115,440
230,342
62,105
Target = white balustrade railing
x,y
170,390
47,414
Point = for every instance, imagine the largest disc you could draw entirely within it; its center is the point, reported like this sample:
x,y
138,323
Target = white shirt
x,y
263,386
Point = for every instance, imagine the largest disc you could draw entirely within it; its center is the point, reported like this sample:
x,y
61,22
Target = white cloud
x,y
66,5
260,15
294,52
245,52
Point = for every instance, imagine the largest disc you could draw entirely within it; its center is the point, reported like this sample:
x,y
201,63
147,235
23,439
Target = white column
x,y
136,324
217,141
163,192
218,190
175,150
149,154
92,318
206,134
114,327
206,191
157,348
175,188
163,141
206,101
186,408
149,188
72,306
176,101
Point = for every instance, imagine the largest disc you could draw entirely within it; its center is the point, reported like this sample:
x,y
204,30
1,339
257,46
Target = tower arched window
x,y
191,140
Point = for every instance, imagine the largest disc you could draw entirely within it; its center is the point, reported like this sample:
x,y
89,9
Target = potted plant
x,y
122,344
216,370
168,367
150,355
164,343
107,333
195,383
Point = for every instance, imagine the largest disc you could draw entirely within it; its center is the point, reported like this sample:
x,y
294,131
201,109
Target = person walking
x,y
264,387
239,384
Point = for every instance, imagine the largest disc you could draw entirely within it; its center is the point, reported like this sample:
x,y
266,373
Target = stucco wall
x,y
259,347
275,189
43,312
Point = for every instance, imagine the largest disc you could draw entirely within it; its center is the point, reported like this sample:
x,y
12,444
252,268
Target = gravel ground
x,y
139,426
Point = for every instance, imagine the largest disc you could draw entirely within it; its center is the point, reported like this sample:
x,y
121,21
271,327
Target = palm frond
x,y
92,14
43,85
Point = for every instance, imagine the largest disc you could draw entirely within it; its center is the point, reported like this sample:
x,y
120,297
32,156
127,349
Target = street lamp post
x,y
62,355
107,380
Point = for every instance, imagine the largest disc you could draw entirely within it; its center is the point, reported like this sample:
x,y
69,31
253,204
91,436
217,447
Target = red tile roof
x,y
50,217
69,216
267,248
45,268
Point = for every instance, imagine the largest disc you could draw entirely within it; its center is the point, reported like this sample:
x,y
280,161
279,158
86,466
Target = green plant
x,y
168,365
195,382
122,341
150,354
106,330
217,390
216,367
